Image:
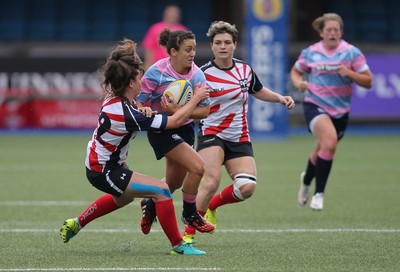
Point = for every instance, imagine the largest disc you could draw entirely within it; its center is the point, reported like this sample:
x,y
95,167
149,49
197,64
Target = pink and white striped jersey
x,y
326,87
159,76
229,96
118,124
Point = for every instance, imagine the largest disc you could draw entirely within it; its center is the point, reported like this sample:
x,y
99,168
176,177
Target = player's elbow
x,y
366,84
369,84
366,80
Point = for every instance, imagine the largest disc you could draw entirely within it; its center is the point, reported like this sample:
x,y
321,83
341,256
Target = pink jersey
x,y
159,76
150,41
230,89
326,87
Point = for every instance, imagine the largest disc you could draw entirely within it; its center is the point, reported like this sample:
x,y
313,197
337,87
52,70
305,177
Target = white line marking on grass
x,y
19,230
307,230
115,269
43,203
60,203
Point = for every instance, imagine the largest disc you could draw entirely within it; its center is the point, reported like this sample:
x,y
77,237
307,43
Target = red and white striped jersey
x,y
229,95
118,123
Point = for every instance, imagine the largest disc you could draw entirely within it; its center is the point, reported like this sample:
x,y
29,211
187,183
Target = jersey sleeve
x,y
359,63
199,77
136,121
255,85
301,63
148,85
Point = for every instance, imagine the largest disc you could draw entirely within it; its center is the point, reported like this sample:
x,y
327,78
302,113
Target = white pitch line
x,y
114,269
43,203
338,230
60,203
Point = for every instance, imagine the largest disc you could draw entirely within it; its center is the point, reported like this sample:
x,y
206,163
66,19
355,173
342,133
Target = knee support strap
x,y
241,179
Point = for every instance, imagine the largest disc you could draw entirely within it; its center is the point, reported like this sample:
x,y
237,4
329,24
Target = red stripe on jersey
x,y
112,101
238,71
221,93
215,108
245,136
95,166
232,75
107,146
115,133
223,125
236,96
218,79
116,117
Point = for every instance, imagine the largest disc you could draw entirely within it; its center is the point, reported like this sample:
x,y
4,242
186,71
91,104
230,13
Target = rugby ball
x,y
181,90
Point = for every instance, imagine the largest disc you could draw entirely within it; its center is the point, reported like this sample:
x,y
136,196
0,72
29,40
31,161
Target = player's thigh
x,y
185,156
213,158
324,129
142,185
245,164
174,175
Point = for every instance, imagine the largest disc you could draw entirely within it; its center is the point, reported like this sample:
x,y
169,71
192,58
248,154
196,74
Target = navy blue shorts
x,y
311,111
165,140
231,149
112,181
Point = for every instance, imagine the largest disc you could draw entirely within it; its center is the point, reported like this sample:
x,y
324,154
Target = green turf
x,y
358,230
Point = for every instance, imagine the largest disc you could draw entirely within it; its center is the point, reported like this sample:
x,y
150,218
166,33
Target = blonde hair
x,y
319,23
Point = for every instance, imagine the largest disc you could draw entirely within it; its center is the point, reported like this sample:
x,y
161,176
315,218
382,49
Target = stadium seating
x,y
12,20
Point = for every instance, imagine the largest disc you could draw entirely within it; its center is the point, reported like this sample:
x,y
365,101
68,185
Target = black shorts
x,y
231,149
311,111
112,181
165,140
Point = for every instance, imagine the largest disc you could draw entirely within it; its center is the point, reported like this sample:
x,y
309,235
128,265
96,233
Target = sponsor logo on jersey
x,y
243,85
170,79
327,67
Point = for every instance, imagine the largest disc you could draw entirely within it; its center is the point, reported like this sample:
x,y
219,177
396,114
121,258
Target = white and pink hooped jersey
x,y
326,87
159,76
229,96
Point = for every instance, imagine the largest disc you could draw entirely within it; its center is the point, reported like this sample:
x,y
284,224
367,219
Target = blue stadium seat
x,y
103,20
349,28
197,20
42,20
13,20
134,27
73,25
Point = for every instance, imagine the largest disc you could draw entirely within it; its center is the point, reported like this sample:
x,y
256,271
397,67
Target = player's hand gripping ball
x,y
181,90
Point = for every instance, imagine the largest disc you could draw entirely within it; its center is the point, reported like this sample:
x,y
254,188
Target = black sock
x,y
310,173
188,209
322,170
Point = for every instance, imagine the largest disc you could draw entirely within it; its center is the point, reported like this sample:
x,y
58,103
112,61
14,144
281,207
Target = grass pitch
x,y
43,182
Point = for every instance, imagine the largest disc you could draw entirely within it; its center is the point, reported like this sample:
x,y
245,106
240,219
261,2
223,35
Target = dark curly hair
x,y
122,65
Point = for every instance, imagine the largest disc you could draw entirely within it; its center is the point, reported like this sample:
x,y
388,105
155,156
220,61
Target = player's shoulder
x,y
156,68
241,64
318,46
239,61
346,46
206,66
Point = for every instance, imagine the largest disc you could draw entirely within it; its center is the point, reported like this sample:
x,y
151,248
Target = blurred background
x,y
50,51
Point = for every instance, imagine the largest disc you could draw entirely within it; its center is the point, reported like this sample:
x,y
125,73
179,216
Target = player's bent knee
x,y
197,169
247,190
244,185
211,184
